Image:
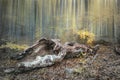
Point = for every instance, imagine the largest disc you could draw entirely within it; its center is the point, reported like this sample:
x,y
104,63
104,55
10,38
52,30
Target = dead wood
x,y
54,51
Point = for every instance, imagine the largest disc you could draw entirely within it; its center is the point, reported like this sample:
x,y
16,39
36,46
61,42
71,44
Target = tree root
x,y
56,52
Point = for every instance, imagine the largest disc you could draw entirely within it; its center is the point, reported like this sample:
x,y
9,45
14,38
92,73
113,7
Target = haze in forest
x,y
29,20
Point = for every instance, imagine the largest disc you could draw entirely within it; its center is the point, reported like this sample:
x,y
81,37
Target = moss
x,y
14,46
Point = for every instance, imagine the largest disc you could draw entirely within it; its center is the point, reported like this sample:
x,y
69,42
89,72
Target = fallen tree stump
x,y
47,52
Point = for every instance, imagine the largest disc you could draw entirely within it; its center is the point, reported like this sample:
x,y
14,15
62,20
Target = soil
x,y
106,66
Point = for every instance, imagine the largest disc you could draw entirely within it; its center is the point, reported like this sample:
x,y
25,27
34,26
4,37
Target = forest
x,y
59,39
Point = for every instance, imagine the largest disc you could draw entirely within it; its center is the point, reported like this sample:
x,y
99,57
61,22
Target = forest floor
x,y
106,66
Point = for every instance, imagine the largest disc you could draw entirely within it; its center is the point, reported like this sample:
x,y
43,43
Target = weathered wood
x,y
56,52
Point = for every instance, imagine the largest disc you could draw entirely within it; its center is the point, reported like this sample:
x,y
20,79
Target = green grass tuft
x,y
14,46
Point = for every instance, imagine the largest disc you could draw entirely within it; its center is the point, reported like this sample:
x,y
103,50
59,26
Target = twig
x,y
93,59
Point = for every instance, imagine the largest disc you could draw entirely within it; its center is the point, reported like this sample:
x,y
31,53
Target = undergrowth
x,y
14,46
85,37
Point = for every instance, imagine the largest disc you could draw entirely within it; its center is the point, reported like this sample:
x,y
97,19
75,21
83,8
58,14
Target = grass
x,y
14,46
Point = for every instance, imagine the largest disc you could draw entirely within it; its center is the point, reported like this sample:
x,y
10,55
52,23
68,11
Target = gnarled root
x,y
56,53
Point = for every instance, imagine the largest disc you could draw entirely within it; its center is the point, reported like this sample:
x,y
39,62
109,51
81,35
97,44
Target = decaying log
x,y
42,44
54,52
